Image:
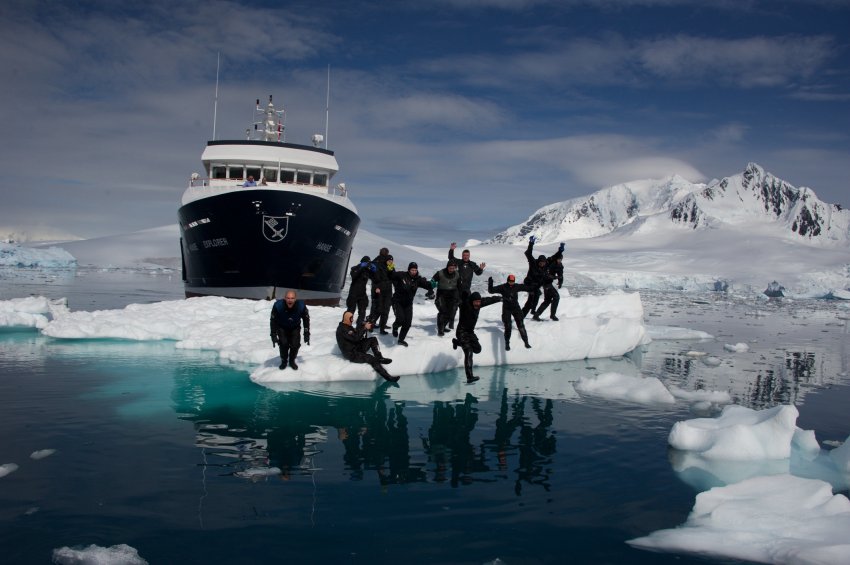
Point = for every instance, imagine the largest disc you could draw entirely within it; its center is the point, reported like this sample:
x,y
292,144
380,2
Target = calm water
x,y
169,452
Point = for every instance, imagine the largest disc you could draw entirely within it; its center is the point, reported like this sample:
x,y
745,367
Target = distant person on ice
x,y
448,294
465,338
405,285
357,299
355,344
285,326
554,272
511,307
466,269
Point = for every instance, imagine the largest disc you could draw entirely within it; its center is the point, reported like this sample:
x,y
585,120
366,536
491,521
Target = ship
x,y
265,217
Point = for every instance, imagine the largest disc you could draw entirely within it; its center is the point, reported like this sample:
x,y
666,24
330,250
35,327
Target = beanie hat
x,y
511,278
474,296
450,264
541,258
412,265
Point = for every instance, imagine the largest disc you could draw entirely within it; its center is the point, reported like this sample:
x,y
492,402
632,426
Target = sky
x,y
450,119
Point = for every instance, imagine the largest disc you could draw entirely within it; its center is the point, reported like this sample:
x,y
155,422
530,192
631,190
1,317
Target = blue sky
x,y
450,119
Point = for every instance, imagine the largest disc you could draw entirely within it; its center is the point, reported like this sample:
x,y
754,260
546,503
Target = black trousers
x,y
289,342
550,296
382,303
468,342
517,315
358,303
446,303
403,318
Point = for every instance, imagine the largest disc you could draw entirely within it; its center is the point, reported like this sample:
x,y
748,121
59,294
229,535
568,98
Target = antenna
x,y
327,106
215,105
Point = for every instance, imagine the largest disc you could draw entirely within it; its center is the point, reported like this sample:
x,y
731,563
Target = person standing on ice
x,y
382,290
511,307
534,278
357,299
405,285
465,338
466,269
285,326
554,271
355,344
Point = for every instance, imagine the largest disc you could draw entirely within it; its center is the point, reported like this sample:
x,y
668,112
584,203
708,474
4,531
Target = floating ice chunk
x,y
7,468
258,472
31,312
841,456
739,347
711,361
14,255
660,333
695,396
121,554
739,433
42,453
616,386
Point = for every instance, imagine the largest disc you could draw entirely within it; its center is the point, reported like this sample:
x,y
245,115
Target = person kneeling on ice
x,y
285,326
470,307
354,343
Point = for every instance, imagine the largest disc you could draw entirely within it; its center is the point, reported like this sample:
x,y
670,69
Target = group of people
x,y
395,290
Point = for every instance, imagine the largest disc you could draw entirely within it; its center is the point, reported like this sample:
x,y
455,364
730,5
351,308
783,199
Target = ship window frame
x,y
230,168
299,175
218,171
289,174
273,171
320,179
253,171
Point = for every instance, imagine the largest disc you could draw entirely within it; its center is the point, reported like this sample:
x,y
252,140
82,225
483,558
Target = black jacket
x,y
405,287
509,293
466,269
288,319
347,338
537,275
469,314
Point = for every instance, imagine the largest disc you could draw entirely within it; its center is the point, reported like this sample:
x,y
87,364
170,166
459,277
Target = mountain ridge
x,y
751,198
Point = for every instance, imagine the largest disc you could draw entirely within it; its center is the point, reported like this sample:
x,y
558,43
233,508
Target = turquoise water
x,y
187,461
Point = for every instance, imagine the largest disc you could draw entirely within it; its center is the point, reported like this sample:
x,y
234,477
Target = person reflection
x,y
448,443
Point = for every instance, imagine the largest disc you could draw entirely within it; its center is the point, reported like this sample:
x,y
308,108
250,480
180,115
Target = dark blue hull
x,y
258,243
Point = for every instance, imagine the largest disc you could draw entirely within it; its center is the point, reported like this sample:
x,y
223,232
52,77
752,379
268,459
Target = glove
x,y
430,294
490,280
307,337
561,247
363,264
274,340
559,285
373,267
532,239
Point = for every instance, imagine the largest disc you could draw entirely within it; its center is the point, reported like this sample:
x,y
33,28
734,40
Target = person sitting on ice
x,y
355,343
285,326
470,307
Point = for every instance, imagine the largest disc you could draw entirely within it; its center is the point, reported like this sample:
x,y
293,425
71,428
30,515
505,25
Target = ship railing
x,y
338,190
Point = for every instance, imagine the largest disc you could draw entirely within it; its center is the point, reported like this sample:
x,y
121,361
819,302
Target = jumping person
x,y
355,344
470,307
448,293
285,327
466,269
554,272
536,276
405,285
511,308
357,299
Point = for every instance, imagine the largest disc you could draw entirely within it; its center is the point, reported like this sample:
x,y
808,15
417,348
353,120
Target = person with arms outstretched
x,y
510,307
554,272
404,290
466,269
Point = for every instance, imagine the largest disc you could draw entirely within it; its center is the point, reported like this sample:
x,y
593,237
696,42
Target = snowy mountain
x,y
752,198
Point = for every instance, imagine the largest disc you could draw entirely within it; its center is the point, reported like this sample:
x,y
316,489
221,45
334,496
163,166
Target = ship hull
x,y
259,243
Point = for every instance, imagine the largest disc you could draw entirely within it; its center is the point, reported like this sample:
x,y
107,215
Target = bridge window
x,y
236,172
287,176
303,177
270,175
253,172
320,179
219,172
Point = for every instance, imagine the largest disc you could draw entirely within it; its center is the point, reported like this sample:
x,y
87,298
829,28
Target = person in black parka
x,y
465,338
511,307
357,299
404,290
382,290
466,269
448,293
554,272
285,327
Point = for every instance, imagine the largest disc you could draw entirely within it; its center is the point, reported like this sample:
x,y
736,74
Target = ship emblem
x,y
275,227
